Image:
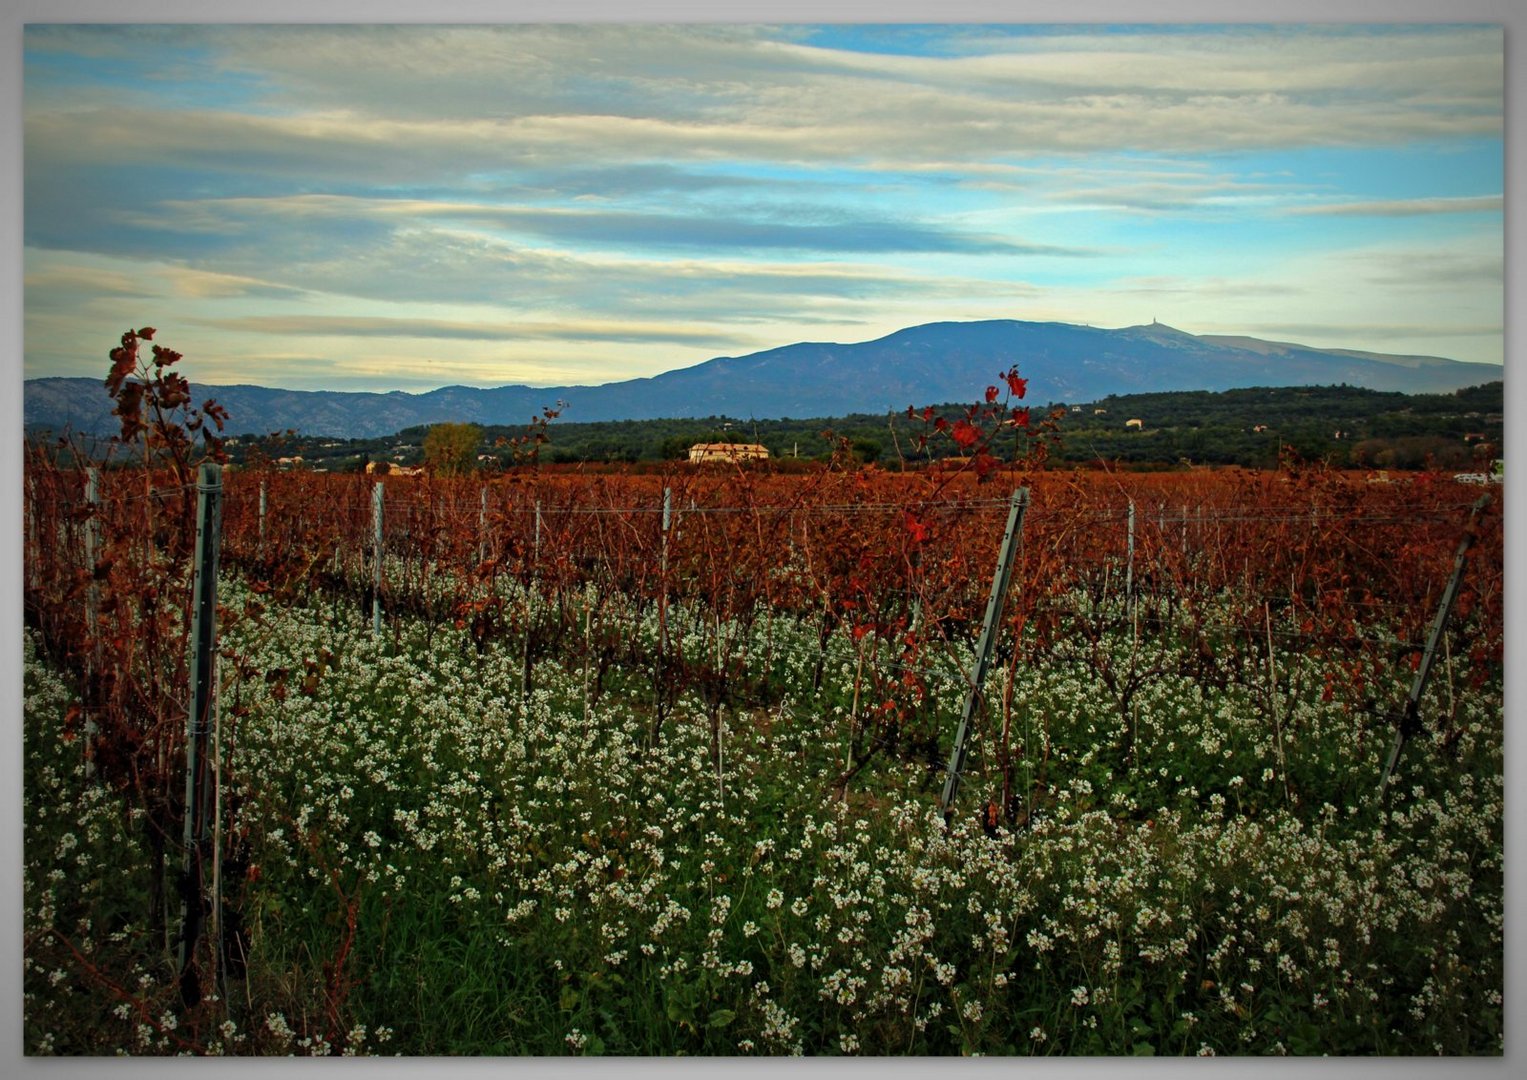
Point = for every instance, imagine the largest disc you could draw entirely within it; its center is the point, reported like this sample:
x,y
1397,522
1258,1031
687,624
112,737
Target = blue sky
x,y
404,207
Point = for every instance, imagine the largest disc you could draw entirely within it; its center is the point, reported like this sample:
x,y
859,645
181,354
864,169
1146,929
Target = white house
x,y
702,452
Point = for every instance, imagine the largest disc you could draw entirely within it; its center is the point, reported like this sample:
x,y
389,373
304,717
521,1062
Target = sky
x,y
364,207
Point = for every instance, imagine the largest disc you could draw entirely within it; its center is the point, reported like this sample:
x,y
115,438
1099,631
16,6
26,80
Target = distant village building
x,y
288,462
395,470
1259,428
702,452
1136,424
1099,412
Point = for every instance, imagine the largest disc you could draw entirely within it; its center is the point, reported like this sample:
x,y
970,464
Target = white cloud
x,y
403,328
79,282
1406,207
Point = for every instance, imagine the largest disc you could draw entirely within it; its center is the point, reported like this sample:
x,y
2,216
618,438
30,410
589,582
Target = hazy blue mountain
x,y
922,365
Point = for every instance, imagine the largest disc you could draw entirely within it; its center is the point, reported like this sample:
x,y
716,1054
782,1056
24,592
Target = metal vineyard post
x,y
994,602
1409,719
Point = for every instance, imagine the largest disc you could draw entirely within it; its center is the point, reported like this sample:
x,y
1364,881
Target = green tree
x,y
867,450
452,448
676,448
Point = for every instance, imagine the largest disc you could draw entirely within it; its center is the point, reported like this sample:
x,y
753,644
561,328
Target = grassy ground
x,y
436,865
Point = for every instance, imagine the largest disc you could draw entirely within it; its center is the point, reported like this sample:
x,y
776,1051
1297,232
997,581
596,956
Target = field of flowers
x,y
425,857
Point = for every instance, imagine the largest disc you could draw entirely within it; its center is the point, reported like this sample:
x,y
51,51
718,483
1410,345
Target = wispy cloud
x,y
191,283
623,227
90,280
1471,262
83,282
1315,332
379,326
1222,288
1472,204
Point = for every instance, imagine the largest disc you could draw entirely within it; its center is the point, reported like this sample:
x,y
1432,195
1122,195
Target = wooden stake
x,y
588,647
1272,699
376,569
1129,566
209,490
93,598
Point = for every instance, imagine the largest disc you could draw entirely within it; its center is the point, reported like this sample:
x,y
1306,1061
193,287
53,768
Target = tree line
x,y
1345,426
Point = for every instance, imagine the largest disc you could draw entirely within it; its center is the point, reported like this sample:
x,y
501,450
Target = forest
x,y
1343,426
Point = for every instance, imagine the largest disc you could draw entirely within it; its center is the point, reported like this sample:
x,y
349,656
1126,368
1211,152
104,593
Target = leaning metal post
x,y
984,647
1410,715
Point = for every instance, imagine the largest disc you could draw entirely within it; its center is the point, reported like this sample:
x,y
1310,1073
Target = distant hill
x,y
921,365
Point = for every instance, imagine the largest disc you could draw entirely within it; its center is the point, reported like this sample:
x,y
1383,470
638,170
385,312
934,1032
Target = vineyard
x,y
652,764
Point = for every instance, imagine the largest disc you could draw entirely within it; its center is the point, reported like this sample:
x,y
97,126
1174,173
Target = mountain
x,y
922,365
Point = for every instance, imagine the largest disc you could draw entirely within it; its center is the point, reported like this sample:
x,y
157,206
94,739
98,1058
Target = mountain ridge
x,y
919,365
